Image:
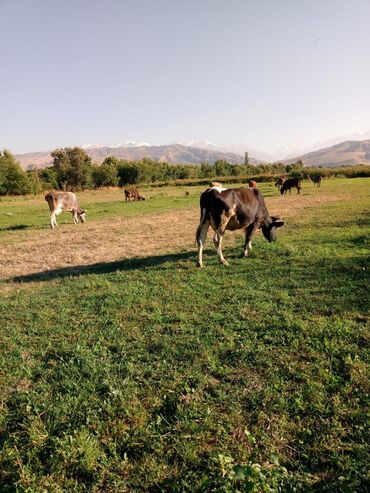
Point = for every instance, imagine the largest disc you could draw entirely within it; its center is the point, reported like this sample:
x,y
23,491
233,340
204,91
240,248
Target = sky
x,y
272,74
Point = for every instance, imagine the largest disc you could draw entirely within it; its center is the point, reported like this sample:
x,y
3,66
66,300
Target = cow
x,y
132,193
289,184
279,182
315,179
64,202
252,184
231,209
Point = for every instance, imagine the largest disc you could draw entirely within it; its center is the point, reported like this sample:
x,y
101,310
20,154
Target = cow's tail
x,y
201,222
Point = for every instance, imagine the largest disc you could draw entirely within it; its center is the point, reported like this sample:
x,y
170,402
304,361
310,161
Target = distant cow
x,y
64,202
132,193
231,209
252,184
279,182
289,184
315,179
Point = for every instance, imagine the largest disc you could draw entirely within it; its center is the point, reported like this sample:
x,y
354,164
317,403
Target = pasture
x,y
125,369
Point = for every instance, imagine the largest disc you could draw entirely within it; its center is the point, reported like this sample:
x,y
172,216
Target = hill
x,y
175,154
346,153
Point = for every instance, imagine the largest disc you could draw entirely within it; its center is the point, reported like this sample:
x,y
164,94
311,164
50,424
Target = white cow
x,y
64,202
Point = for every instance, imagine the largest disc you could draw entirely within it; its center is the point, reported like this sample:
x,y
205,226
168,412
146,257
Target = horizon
x,y
216,147
277,78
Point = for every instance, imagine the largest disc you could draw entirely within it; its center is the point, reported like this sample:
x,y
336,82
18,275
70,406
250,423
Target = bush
x,y
105,175
13,179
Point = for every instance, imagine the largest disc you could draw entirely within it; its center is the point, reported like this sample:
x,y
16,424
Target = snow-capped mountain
x,y
129,143
239,148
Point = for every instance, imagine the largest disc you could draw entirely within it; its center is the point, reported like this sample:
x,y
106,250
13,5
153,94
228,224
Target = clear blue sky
x,y
271,73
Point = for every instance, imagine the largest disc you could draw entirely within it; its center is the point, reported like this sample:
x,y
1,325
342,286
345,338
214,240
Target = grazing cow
x,y
132,193
231,209
252,184
215,185
289,184
316,180
64,202
279,182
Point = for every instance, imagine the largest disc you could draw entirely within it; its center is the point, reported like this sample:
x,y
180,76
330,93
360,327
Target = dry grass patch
x,y
32,251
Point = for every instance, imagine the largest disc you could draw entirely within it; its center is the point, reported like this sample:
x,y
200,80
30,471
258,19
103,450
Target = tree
x,y
206,170
34,184
48,178
73,167
13,179
105,175
222,168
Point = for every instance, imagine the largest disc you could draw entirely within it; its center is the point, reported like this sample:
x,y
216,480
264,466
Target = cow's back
x,y
244,203
66,201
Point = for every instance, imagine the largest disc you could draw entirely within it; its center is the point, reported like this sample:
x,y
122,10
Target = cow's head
x,y
269,228
82,215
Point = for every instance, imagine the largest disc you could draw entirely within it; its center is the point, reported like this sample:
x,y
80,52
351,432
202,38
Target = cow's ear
x,y
278,224
275,218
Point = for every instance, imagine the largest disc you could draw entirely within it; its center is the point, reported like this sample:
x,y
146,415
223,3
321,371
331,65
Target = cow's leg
x,y
217,240
201,236
75,218
53,218
53,221
218,237
249,232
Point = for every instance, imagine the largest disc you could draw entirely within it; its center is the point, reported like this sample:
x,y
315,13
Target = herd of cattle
x,y
221,208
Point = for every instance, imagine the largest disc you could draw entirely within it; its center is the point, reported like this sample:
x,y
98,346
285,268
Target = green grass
x,y
30,212
150,375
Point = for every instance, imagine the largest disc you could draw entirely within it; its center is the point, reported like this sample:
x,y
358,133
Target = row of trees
x,y
73,169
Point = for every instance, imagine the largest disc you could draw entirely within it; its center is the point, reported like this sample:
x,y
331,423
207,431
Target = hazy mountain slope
x,y
344,154
175,153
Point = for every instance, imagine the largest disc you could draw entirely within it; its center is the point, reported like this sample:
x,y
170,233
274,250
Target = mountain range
x,y
349,152
346,153
174,153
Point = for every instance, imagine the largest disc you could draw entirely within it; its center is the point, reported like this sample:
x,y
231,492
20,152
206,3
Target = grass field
x,y
124,368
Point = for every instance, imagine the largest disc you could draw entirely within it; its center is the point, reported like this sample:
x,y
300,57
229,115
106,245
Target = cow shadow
x,y
16,227
130,264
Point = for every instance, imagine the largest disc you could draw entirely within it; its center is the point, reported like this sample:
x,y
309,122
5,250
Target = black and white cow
x,y
231,209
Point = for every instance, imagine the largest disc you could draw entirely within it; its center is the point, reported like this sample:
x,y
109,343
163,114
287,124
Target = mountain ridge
x,y
174,154
347,153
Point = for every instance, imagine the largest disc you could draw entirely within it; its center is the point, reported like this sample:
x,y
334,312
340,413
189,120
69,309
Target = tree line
x,y
73,169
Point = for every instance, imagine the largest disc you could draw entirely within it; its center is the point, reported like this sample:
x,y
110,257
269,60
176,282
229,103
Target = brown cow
x,y
132,193
64,202
252,184
231,209
289,184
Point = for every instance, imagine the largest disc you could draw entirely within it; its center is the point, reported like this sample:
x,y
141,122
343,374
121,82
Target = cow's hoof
x,y
224,262
199,265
